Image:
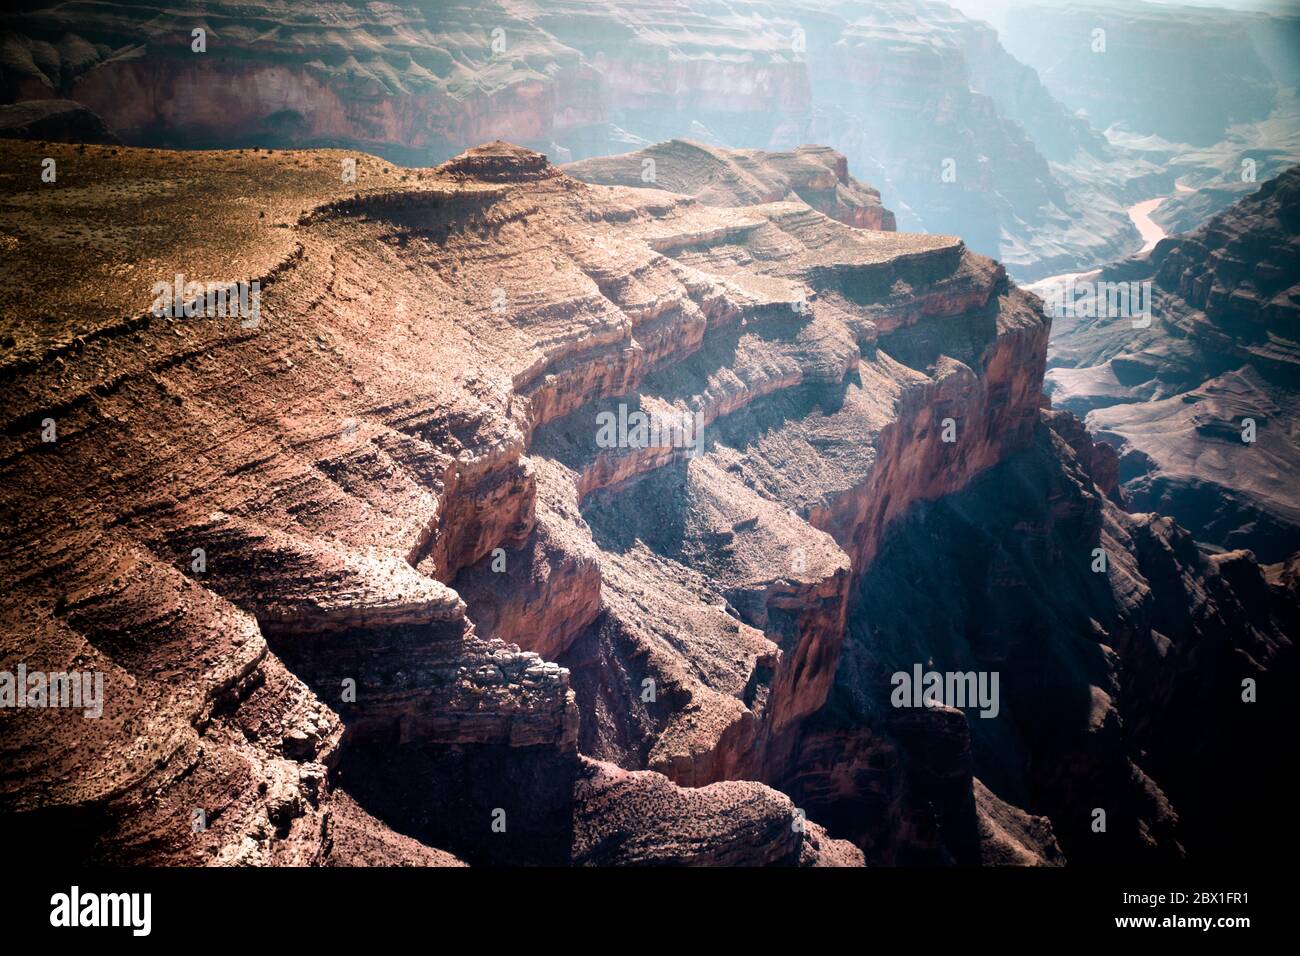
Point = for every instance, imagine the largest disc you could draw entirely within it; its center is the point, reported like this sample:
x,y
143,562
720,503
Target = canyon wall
x,y
1174,391
1182,73
386,572
1120,682
961,137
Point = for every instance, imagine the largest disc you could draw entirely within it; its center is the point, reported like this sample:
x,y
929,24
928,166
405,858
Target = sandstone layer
x,y
369,580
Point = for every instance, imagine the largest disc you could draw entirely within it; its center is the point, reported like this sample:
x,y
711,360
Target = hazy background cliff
x,y
1029,143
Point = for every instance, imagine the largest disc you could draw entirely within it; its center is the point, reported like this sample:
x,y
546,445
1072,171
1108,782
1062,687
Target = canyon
x,y
366,588
1219,349
927,104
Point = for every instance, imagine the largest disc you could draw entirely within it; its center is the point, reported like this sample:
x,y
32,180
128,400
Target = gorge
x,y
437,622
965,128
592,433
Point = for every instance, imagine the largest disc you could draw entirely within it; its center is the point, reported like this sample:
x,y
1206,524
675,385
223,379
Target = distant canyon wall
x,y
961,137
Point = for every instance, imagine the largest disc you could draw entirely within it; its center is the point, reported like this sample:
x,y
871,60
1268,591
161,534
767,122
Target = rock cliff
x,y
390,569
271,507
961,137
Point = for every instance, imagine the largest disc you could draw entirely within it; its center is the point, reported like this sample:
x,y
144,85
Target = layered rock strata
x,y
389,566
963,138
222,496
815,174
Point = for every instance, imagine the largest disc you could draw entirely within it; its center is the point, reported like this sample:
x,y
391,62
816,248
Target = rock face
x,y
962,138
532,521
1185,211
1221,349
259,554
817,175
1105,678
623,816
61,121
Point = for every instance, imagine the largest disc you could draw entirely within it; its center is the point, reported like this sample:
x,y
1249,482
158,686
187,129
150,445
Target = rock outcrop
x,y
623,816
815,174
60,121
531,521
1187,210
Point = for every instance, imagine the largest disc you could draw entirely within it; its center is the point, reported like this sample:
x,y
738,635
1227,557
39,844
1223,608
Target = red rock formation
x,y
279,541
328,531
815,174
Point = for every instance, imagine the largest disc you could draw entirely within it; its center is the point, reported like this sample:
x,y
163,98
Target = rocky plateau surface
x,y
817,175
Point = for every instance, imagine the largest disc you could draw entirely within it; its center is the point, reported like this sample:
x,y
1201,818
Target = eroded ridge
x,y
387,571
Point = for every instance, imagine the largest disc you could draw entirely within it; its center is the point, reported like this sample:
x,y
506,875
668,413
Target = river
x,y
1150,231
1141,216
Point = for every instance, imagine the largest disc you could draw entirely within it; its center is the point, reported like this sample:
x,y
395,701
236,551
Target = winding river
x,y
1150,230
